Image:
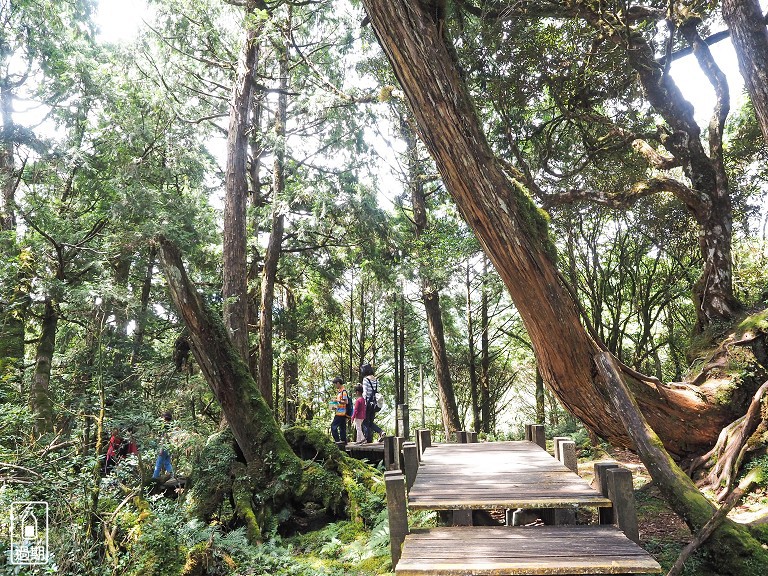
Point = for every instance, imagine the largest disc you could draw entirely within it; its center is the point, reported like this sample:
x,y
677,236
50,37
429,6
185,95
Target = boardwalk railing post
x,y
622,494
568,455
556,446
528,435
472,437
397,512
461,437
601,485
391,453
538,436
423,440
410,463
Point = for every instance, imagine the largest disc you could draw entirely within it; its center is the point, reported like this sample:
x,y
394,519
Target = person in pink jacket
x,y
358,414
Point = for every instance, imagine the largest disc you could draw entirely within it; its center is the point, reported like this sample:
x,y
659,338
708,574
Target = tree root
x,y
732,445
733,497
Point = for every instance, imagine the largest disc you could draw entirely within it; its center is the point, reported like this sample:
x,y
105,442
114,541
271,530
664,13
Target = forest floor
x,y
662,532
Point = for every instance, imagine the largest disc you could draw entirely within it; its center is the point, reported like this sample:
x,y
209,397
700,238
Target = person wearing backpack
x,y
372,404
342,410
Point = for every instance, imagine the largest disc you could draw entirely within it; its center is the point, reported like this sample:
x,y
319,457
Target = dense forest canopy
x,y
480,198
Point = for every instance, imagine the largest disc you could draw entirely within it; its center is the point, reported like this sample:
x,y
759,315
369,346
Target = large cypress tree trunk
x,y
750,39
248,415
515,237
235,284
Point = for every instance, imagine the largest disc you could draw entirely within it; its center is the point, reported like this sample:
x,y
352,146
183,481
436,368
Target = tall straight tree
x,y
430,295
235,283
275,244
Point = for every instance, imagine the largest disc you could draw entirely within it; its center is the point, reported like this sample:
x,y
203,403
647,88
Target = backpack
x,y
376,400
350,405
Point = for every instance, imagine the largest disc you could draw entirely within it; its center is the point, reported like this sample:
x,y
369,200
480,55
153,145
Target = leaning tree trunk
x,y
750,39
515,236
733,550
248,415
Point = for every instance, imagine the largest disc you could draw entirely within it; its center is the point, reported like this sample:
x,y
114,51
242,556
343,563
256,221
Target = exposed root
x,y
732,445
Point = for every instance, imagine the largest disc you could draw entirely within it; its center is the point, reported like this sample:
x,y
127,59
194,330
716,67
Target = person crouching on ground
x,y
358,415
339,407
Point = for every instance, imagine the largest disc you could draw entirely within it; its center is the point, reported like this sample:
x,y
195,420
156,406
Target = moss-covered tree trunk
x,y
263,445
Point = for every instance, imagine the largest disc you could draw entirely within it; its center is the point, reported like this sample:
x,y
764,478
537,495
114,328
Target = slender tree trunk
x,y
275,245
235,284
40,393
430,296
515,237
539,398
14,303
472,354
291,364
141,319
750,39
248,415
485,353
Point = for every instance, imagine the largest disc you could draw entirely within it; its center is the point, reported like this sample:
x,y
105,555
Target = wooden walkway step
x,y
508,551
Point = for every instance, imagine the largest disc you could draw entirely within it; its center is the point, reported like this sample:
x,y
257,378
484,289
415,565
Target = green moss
x,y
756,323
534,219
212,473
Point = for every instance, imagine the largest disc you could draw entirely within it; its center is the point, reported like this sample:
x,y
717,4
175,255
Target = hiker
x,y
163,463
339,407
129,445
113,451
358,415
370,390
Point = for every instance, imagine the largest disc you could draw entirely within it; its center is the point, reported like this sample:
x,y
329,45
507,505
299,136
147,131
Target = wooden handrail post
x,y
538,436
622,494
410,463
397,512
556,446
568,455
391,453
461,437
472,437
423,440
601,485
528,435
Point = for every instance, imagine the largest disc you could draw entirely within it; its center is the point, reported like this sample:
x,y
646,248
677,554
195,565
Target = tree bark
x,y
514,235
141,319
736,551
749,36
275,245
235,284
39,392
248,415
12,304
472,355
485,353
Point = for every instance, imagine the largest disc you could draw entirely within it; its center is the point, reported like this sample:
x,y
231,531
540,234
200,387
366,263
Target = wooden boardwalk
x,y
509,475
494,475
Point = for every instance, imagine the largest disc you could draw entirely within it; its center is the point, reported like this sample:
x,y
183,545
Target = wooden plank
x,y
497,551
497,475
